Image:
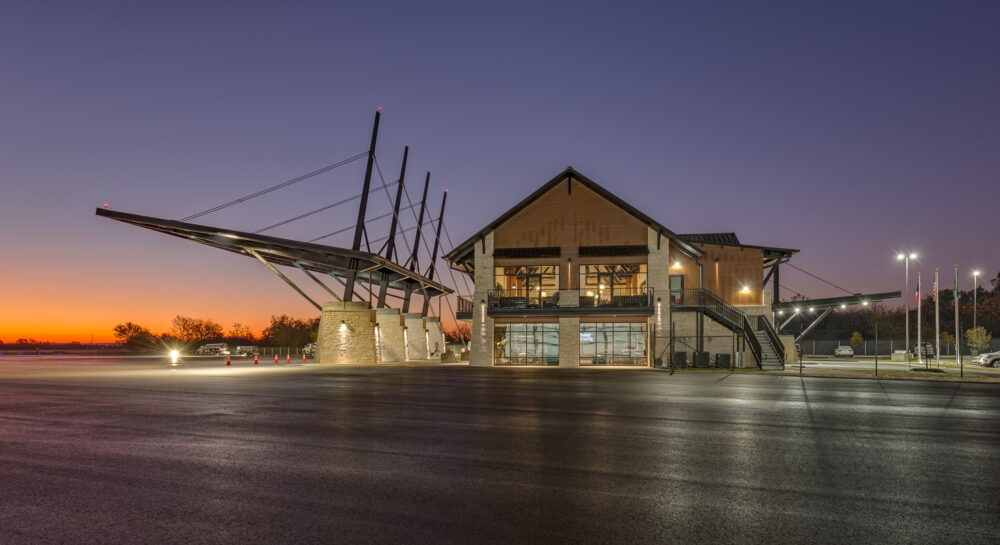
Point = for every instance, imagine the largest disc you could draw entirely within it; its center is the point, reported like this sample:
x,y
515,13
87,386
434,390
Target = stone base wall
x,y
416,336
346,333
435,337
391,325
791,356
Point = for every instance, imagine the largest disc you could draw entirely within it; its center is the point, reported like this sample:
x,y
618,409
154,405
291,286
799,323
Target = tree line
x,y
187,332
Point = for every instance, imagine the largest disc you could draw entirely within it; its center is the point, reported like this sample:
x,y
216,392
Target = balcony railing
x,y
514,298
617,298
463,308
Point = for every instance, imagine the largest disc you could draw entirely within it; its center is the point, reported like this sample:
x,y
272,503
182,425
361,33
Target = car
x,y
989,359
213,349
843,352
927,352
309,349
247,350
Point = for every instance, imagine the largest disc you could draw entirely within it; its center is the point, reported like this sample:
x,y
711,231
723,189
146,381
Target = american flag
x,y
917,294
935,286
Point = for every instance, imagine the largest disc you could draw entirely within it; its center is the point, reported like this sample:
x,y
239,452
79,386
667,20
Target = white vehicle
x,y
247,350
213,349
989,359
843,352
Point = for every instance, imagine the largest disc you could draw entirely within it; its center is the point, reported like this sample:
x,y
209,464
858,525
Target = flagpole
x,y
958,338
937,321
920,355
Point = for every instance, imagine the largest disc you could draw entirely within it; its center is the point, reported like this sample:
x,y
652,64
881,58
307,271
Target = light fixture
x,y
975,273
811,309
746,289
677,264
797,309
913,256
781,313
843,306
864,303
900,257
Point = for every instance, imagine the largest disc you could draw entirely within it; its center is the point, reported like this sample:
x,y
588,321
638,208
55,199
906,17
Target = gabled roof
x,y
712,238
772,255
464,250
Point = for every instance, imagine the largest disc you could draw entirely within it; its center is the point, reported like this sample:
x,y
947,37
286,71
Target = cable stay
x,y
349,227
318,210
820,279
277,187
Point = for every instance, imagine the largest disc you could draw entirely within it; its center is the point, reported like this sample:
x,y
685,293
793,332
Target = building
x,y
573,275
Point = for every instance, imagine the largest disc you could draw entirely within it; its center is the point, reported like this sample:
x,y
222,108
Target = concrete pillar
x,y
435,337
569,341
389,337
658,278
346,333
416,336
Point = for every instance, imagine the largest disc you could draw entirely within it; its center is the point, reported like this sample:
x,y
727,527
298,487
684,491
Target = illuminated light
x,y
745,289
864,303
811,309
975,273
913,256
797,309
900,257
343,326
843,306
677,264
174,356
590,294
105,205
544,294
601,287
781,313
380,108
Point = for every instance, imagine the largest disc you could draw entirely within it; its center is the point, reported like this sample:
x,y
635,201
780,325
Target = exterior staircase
x,y
757,330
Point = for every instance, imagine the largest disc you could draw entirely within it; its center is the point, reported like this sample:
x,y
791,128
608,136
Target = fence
x,y
885,347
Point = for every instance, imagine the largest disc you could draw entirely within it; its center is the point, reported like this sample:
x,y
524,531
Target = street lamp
x,y
975,276
906,296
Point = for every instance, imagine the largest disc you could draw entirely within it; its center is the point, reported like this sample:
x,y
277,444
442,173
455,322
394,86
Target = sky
x,y
849,130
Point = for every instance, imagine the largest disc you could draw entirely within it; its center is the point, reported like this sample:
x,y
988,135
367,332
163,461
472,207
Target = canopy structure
x,y
826,305
339,263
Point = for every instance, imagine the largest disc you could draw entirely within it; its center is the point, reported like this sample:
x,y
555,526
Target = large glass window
x,y
526,344
526,286
613,344
607,284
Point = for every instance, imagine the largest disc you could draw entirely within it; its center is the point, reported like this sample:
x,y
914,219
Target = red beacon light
x,y
105,205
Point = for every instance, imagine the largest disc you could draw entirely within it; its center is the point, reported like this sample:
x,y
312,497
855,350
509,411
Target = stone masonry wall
x,y
416,336
346,333
390,325
569,341
435,336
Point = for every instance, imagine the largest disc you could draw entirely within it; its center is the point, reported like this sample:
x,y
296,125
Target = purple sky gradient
x,y
849,131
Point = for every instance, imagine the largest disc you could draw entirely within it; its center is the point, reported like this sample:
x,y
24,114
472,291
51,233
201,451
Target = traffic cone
x,y
255,360
275,358
227,361
288,358
303,358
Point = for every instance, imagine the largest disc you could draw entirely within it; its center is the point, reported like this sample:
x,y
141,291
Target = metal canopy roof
x,y
835,302
292,253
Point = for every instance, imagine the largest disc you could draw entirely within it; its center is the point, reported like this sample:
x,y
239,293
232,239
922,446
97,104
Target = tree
x,y
196,329
134,336
947,339
462,332
856,340
240,334
978,339
286,331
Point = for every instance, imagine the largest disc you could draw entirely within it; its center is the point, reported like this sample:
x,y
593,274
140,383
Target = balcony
x,y
617,298
463,310
521,299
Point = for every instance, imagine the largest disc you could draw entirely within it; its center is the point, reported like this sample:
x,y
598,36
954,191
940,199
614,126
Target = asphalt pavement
x,y
139,451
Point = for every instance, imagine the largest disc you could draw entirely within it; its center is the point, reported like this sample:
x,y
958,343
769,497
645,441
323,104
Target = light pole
x,y
906,296
975,277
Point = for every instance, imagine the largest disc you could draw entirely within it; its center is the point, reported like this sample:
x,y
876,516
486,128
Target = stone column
x,y
389,338
416,336
658,278
569,341
435,337
346,333
482,325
